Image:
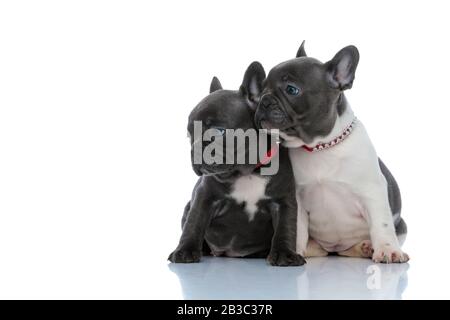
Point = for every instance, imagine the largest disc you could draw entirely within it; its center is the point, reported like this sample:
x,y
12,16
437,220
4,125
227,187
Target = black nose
x,y
268,100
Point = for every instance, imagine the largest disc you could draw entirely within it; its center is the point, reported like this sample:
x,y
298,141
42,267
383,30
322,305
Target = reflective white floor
x,y
320,278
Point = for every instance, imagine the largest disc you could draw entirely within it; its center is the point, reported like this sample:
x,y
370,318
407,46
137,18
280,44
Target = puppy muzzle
x,y
270,113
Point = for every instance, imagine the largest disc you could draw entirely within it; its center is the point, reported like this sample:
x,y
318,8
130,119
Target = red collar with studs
x,y
326,145
267,157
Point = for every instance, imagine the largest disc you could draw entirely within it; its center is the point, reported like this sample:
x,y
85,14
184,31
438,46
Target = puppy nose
x,y
267,101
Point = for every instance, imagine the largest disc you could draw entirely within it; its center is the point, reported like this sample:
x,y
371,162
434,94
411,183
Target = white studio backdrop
x,y
94,99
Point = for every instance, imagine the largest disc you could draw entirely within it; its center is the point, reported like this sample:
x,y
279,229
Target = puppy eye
x,y
220,130
291,90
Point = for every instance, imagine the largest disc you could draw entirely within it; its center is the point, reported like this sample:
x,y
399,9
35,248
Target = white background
x,y
94,99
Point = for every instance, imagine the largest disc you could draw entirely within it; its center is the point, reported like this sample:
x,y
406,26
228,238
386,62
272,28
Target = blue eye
x,y
220,130
292,91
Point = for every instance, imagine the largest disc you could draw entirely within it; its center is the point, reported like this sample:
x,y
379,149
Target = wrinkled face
x,y
218,128
303,97
209,126
298,100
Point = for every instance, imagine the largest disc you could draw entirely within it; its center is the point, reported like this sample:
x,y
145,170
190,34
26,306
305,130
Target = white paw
x,y
388,253
366,249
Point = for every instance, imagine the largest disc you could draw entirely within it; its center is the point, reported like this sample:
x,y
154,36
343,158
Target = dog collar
x,y
326,145
268,157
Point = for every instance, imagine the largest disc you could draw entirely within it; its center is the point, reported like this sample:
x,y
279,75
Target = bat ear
x,y
301,51
215,85
341,69
252,85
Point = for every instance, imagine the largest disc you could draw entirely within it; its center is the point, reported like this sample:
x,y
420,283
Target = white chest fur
x,y
249,189
333,185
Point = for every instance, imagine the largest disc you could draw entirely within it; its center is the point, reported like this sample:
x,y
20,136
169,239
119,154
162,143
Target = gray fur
x,y
313,112
301,51
215,85
212,219
395,199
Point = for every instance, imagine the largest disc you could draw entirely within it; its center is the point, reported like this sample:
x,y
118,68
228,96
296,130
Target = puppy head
x,y
212,119
302,97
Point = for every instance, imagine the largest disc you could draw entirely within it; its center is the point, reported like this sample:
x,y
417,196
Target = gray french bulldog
x,y
349,202
236,211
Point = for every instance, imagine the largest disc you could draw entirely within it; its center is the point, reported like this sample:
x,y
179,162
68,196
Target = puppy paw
x,y
184,256
366,249
389,254
284,258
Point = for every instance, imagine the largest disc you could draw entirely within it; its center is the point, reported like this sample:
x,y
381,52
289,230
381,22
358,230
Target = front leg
x,y
386,247
302,228
195,224
282,252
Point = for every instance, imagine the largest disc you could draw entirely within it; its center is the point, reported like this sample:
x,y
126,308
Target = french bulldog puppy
x,y
236,211
349,202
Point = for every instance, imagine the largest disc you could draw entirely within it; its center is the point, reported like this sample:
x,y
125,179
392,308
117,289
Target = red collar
x,y
325,145
268,156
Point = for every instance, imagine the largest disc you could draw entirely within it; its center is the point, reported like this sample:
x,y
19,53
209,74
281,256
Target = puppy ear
x,y
215,85
301,51
252,84
341,69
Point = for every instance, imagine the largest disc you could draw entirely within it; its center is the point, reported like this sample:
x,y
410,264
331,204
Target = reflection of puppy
x,y
238,211
237,279
323,278
349,202
339,278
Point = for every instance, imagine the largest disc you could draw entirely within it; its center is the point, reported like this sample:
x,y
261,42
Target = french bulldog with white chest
x,y
236,211
349,202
